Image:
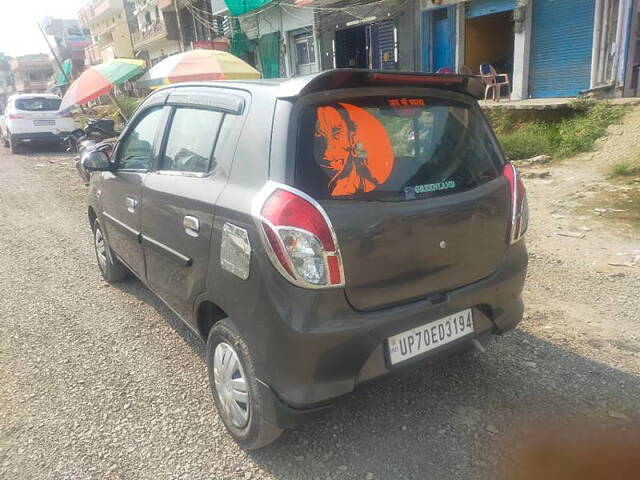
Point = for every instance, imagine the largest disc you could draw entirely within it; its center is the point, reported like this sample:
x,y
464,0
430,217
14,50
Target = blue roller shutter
x,y
561,42
478,8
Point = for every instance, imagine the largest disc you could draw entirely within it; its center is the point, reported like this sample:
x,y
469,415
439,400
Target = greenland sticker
x,y
434,187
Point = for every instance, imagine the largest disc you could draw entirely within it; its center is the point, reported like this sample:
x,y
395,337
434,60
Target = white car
x,y
33,118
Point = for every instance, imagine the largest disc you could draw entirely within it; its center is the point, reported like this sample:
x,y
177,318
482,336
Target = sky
x,y
19,33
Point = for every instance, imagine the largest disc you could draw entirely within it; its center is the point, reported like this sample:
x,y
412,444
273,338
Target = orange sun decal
x,y
357,153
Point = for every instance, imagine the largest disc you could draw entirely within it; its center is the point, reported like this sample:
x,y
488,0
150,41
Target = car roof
x,y
347,78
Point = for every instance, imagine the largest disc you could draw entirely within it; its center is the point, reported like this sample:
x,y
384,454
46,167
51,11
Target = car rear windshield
x,y
394,149
38,104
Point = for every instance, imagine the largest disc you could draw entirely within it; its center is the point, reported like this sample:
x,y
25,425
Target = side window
x,y
191,141
137,150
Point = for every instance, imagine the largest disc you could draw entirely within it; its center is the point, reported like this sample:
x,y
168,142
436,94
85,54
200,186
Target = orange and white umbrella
x,y
198,65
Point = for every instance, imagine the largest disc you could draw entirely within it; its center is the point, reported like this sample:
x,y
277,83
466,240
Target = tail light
x,y
66,115
298,236
15,116
518,205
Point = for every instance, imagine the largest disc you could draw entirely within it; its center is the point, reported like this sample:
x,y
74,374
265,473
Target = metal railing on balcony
x,y
92,55
108,53
151,33
91,12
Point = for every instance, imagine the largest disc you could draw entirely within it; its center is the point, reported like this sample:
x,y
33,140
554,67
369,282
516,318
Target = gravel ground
x,y
104,382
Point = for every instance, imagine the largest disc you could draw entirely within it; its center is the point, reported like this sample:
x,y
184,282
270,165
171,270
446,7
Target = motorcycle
x,y
97,130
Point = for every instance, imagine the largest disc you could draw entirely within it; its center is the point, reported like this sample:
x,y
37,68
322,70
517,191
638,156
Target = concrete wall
x,y
218,6
122,45
276,18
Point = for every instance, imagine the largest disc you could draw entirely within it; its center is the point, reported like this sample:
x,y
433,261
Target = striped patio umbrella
x,y
99,80
197,65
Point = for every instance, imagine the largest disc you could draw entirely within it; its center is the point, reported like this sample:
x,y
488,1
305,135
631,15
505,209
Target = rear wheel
x,y
14,145
235,390
5,141
111,268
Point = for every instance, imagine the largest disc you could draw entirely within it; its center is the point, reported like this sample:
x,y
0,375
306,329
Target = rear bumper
x,y
40,137
312,347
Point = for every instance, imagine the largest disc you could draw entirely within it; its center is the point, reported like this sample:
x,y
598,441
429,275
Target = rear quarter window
x,y
393,149
37,104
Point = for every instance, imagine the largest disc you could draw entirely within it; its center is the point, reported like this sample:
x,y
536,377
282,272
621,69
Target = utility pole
x,y
54,55
181,39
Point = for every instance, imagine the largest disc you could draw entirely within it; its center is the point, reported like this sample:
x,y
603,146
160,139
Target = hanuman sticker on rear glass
x,y
353,148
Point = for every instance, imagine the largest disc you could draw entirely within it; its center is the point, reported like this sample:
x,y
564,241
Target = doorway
x,y
351,48
489,39
438,41
373,46
304,53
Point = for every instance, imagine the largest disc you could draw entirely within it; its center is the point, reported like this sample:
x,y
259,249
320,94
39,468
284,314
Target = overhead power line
x,y
201,15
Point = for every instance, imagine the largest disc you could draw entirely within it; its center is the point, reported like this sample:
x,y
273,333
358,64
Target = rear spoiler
x,y
354,78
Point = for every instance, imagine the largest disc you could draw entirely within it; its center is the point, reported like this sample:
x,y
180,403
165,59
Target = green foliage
x,y
581,105
579,134
529,140
501,120
559,139
625,168
129,105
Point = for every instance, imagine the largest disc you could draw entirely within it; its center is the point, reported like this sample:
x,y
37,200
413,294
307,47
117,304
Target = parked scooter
x,y
97,130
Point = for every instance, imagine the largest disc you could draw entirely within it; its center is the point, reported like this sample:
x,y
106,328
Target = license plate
x,y
428,337
44,123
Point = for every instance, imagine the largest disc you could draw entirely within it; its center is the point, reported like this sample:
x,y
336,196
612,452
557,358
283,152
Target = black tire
x,y
14,145
111,268
5,142
257,433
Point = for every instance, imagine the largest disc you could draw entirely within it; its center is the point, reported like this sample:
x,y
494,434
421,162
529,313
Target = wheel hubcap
x,y
101,249
231,385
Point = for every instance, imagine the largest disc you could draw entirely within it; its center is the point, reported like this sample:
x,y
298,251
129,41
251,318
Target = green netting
x,y
269,51
240,43
238,7
67,66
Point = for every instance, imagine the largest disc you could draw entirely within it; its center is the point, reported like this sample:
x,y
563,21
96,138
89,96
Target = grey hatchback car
x,y
317,233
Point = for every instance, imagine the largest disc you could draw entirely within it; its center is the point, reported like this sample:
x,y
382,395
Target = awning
x,y
67,67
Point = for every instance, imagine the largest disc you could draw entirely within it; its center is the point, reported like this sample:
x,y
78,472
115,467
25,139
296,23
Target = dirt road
x,y
104,382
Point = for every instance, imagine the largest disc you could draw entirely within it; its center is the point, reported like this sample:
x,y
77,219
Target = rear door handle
x,y
191,226
132,204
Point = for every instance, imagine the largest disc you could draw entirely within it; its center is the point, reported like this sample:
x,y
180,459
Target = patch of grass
x,y
501,120
625,168
559,139
529,140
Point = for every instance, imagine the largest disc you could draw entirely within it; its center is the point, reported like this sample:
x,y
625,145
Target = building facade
x,y
549,48
165,27
156,34
196,23
69,44
32,73
109,22
284,39
380,36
